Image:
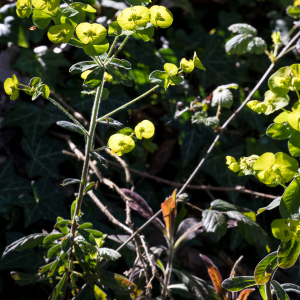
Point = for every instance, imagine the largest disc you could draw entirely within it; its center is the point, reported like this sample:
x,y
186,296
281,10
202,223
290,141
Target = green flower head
x,y
23,8
161,16
11,87
187,66
133,17
120,143
281,229
144,129
91,33
60,33
274,169
49,4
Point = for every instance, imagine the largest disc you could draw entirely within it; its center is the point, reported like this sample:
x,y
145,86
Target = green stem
x,y
111,48
68,114
125,105
120,48
88,147
268,285
168,270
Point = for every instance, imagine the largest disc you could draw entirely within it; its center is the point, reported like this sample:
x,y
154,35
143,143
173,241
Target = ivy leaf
x,y
45,156
214,221
33,120
257,46
47,203
238,44
242,28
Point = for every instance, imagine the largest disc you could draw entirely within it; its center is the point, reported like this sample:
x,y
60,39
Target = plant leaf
x,y
68,181
280,293
290,287
291,198
273,204
109,254
238,44
239,283
82,66
245,293
122,63
280,131
288,253
265,267
242,28
257,46
113,123
214,221
117,75
169,212
294,144
71,126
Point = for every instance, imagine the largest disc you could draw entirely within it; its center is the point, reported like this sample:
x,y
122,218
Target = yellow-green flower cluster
x,y
139,16
285,229
120,143
11,87
244,165
23,8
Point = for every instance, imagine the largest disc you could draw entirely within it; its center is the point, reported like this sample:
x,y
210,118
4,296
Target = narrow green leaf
x,y
59,290
87,236
122,63
71,126
67,242
94,78
63,229
53,251
99,159
89,187
280,293
113,123
265,267
239,283
68,181
85,225
262,290
288,253
273,204
117,75
95,233
290,287
73,206
52,237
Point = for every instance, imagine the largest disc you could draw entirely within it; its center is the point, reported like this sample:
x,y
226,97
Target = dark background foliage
x,y
32,165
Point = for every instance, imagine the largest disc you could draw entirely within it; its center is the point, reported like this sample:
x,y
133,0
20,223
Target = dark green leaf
x,y
99,159
265,268
108,254
82,66
96,50
238,44
22,279
55,250
214,221
87,236
280,293
290,287
117,75
239,283
59,290
24,243
49,239
122,63
138,2
288,253
89,187
94,78
113,123
71,126
294,144
68,181
85,225
95,233
67,242
257,46
291,198
73,207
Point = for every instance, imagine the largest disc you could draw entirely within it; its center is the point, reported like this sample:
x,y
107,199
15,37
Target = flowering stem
x,y
127,104
111,48
88,147
68,114
120,48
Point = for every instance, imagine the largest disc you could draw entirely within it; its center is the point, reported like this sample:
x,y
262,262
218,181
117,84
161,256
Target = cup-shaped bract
x,y
91,33
281,229
60,33
161,16
187,66
23,8
11,87
120,143
49,4
171,69
144,129
133,17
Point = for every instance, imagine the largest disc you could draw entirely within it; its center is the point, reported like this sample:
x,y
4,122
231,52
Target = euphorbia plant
x,y
74,250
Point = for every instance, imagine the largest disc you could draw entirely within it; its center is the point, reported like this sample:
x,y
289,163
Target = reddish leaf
x,y
169,211
99,294
245,293
214,275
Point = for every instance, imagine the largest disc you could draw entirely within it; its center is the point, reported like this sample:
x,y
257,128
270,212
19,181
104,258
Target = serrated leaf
x,y
214,221
275,203
239,283
108,254
280,293
87,236
238,44
265,268
288,253
257,46
117,75
250,230
242,28
196,286
27,242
